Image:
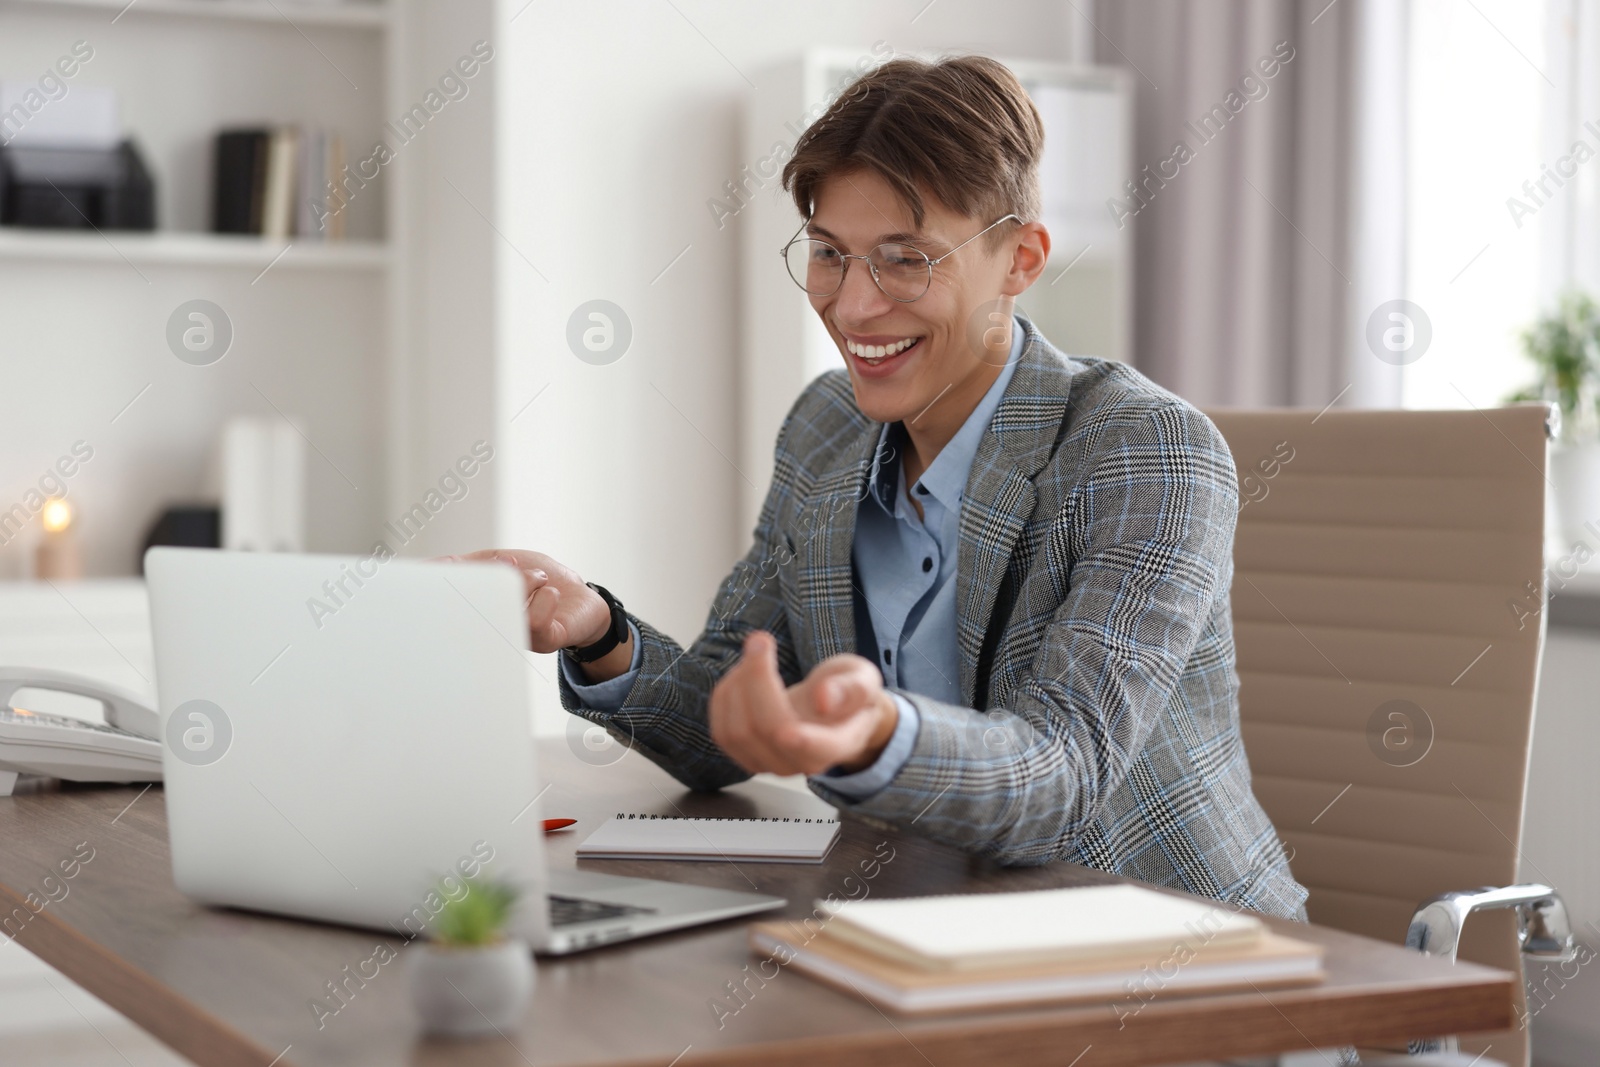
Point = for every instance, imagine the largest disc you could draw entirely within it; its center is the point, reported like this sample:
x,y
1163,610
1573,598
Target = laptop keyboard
x,y
568,911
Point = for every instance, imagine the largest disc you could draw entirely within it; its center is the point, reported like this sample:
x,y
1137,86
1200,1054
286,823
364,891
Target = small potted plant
x,y
1565,349
470,979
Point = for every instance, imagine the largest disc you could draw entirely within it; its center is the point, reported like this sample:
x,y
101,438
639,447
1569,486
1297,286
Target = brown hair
x,y
961,129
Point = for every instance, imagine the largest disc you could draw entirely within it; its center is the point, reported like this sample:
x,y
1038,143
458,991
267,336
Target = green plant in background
x,y
477,918
1565,349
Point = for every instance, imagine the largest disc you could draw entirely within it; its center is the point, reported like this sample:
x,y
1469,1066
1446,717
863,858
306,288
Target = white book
x,y
333,189
312,164
246,474
262,485
1074,924
1272,962
655,837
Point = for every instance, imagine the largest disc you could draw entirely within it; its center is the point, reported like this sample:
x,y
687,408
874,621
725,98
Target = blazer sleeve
x,y
1151,533
663,715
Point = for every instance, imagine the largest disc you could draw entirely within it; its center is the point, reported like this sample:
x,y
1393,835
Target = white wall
x,y
71,367
441,395
619,121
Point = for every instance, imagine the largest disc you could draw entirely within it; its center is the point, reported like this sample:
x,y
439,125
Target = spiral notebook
x,y
657,837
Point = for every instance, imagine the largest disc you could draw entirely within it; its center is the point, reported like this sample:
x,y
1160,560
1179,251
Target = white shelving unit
x,y
375,13
319,329
188,249
1083,301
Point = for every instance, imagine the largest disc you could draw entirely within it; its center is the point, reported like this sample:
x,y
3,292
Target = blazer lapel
x,y
826,587
999,497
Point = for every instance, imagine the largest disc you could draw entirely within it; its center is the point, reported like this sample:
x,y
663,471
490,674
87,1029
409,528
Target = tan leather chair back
x,y
1387,603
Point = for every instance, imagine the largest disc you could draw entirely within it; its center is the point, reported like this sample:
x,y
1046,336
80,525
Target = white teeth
x,y
878,353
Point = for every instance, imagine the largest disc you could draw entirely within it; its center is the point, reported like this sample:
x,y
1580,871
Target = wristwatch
x,y
616,635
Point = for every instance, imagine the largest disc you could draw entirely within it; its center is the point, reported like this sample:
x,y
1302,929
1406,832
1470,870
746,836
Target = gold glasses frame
x,y
872,265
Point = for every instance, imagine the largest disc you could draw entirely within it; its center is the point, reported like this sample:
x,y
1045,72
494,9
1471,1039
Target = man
x,y
987,598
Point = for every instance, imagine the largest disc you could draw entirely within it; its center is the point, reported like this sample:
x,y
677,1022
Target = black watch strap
x,y
613,637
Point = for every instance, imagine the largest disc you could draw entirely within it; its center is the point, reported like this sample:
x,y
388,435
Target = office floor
x,y
46,1020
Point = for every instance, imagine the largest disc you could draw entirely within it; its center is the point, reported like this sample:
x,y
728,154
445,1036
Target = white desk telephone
x,y
125,749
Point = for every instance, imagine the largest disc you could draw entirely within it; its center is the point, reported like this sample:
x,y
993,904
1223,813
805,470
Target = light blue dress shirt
x,y
906,584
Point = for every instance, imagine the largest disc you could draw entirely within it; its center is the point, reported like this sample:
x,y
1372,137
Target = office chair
x,y
1388,594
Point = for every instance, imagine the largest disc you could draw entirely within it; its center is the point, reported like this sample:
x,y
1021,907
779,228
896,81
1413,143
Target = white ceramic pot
x,y
470,992
1575,475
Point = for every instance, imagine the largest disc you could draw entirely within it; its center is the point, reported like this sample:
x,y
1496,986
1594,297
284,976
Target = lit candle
x,y
58,556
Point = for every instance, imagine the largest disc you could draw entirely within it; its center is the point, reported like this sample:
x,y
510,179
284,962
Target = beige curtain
x,y
1264,243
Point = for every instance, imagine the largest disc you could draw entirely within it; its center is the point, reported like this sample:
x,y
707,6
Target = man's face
x,y
943,361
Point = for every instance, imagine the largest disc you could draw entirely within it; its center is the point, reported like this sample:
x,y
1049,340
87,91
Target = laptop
x,y
348,738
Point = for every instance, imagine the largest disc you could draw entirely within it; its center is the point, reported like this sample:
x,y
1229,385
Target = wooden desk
x,y
225,987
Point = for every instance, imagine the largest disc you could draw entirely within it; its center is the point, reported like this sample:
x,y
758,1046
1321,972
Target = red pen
x,y
557,824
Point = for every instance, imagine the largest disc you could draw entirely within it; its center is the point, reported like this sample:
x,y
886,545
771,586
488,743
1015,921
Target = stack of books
x,y
279,182
1119,944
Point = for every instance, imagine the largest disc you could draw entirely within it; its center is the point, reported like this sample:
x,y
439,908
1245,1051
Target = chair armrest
x,y
1544,932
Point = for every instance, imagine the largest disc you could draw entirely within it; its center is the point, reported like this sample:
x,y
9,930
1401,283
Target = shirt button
x,y
887,656
927,564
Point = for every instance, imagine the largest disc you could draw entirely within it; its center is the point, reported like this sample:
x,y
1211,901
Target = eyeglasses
x,y
902,271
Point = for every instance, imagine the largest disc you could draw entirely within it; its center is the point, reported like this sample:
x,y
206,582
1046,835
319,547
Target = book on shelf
x,y
312,170
332,154
1099,944
238,169
279,195
278,182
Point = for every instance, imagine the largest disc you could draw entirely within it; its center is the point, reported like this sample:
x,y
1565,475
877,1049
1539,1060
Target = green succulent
x,y
477,917
1564,347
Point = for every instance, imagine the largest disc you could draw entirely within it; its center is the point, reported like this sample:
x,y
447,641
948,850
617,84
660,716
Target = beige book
x,y
1104,922
1271,961
277,211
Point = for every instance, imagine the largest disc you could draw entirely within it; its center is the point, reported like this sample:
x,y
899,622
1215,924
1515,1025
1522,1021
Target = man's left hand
x,y
839,715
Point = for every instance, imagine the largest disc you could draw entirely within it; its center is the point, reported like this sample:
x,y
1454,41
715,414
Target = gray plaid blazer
x,y
1100,719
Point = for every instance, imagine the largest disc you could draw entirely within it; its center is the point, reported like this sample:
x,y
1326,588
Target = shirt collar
x,y
946,477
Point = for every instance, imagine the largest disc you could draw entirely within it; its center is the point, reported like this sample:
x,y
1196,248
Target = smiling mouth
x,y
873,355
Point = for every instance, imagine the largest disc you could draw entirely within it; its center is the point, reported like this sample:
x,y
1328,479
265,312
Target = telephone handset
x,y
126,748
